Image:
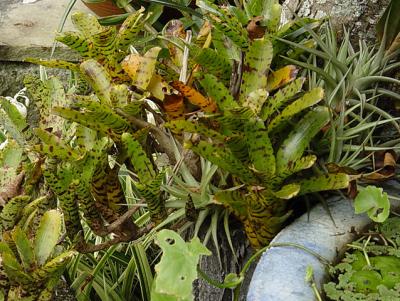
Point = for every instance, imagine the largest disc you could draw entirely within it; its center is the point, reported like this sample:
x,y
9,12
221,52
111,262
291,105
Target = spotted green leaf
x,y
281,98
195,128
223,157
213,63
12,211
98,78
13,114
130,29
14,270
260,148
54,146
24,248
54,266
77,42
288,191
324,182
218,92
293,147
296,166
255,100
138,158
307,100
54,63
226,22
104,42
256,67
154,199
234,199
87,24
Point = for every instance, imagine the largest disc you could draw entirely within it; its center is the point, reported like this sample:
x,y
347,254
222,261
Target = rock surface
x,y
358,16
28,30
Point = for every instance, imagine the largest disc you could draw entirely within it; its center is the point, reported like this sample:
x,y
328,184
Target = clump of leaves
x,y
31,265
355,80
371,269
246,138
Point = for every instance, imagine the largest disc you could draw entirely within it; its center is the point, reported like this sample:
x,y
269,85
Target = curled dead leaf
x,y
255,28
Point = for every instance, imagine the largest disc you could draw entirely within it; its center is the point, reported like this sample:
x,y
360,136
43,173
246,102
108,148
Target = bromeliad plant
x,y
31,265
246,137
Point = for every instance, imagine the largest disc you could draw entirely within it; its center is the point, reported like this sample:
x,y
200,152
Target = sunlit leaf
x,y
281,77
374,202
47,235
178,267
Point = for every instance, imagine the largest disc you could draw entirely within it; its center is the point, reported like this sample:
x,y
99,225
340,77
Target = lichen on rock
x,y
358,16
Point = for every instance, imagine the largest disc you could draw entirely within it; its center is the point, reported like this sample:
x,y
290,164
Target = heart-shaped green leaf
x,y
373,201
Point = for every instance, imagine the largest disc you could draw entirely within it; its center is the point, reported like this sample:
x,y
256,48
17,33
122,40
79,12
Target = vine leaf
x,y
374,202
177,268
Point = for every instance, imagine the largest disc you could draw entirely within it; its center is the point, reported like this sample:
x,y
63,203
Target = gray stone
x,y
12,75
280,273
358,16
30,29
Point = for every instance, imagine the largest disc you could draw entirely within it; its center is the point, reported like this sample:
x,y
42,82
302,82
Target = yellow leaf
x,y
174,106
281,77
141,68
157,87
